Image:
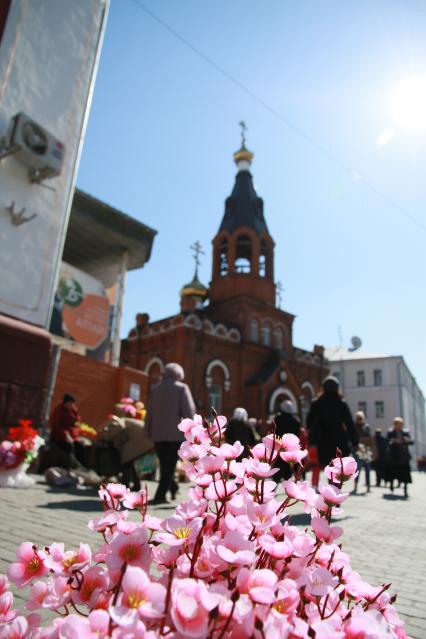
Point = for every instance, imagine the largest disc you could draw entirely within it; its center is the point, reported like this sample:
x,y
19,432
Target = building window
x,y
378,381
262,259
279,338
363,407
215,398
266,335
380,409
223,257
243,254
360,378
254,330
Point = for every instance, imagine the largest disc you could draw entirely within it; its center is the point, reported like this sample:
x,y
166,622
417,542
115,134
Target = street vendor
x,y
64,423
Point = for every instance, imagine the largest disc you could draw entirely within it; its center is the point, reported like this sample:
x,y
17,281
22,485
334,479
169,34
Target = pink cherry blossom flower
x,y
263,516
229,451
30,564
17,629
341,469
367,624
320,582
219,490
76,627
236,549
260,585
263,452
293,456
95,580
211,464
108,520
139,597
258,470
186,425
39,590
64,562
328,534
287,598
6,611
191,604
136,500
152,523
4,584
113,494
332,495
58,592
290,442
268,490
277,549
129,549
300,491
179,531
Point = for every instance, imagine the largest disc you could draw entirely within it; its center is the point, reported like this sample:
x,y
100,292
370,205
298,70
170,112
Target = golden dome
x,y
243,154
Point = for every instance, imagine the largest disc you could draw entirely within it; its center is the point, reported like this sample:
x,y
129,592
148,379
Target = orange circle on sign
x,y
88,322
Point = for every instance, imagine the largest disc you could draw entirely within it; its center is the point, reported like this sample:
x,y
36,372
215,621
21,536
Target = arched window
x,y
254,330
262,258
218,380
279,338
243,254
266,334
223,257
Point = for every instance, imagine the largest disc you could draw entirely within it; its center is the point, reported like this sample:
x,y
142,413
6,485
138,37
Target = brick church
x,y
234,343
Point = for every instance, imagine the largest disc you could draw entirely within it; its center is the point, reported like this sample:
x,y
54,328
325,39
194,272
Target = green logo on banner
x,y
71,292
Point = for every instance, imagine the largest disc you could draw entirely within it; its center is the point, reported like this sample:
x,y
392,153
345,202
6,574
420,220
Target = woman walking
x,y
398,456
330,424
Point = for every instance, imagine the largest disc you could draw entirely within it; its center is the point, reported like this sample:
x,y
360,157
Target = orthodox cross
x,y
198,250
279,291
244,128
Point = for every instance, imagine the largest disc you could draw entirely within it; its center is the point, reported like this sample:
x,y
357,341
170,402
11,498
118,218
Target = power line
x,y
282,118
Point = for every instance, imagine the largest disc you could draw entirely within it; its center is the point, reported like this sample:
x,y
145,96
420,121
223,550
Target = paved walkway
x,y
385,535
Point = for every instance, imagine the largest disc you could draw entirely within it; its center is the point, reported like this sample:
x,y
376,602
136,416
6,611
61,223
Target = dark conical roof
x,y
244,207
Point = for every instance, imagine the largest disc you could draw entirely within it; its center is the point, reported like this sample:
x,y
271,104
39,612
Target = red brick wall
x,y
97,386
24,367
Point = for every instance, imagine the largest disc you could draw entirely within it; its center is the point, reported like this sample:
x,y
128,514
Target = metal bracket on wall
x,y
18,218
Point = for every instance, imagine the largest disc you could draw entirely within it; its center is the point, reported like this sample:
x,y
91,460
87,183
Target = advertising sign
x,y
82,311
48,60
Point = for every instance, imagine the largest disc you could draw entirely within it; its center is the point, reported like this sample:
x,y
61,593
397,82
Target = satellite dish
x,y
356,344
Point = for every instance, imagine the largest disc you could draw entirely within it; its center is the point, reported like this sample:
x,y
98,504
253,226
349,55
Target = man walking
x,y
169,402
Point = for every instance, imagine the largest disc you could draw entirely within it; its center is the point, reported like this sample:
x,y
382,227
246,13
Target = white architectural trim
x,y
225,369
152,361
309,386
287,394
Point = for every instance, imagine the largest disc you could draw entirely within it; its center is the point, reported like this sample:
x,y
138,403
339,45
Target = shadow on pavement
x,y
73,490
302,519
392,497
82,505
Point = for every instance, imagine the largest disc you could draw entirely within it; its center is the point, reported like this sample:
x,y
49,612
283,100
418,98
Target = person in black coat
x,y
239,429
330,424
286,421
398,456
379,462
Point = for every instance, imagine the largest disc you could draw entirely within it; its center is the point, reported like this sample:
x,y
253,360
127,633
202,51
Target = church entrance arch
x,y
279,395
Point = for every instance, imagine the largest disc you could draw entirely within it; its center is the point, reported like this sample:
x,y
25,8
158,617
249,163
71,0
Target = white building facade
x,y
383,387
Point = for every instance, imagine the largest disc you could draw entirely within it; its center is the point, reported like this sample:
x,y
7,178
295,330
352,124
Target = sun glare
x,y
408,103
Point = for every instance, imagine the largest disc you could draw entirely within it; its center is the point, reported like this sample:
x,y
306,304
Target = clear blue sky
x,y
163,128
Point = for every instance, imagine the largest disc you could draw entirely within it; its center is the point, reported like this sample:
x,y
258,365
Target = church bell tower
x,y
243,250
